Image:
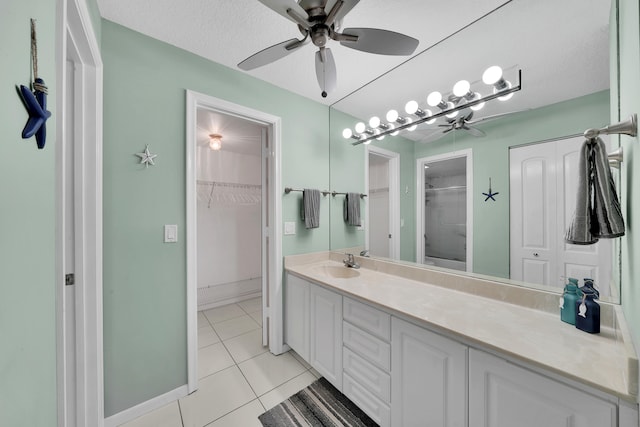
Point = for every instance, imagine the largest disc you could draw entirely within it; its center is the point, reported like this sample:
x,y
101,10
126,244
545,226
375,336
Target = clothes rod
x,y
288,190
335,193
626,127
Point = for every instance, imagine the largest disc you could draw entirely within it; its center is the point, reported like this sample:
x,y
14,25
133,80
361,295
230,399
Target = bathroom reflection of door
x,y
445,211
382,223
544,180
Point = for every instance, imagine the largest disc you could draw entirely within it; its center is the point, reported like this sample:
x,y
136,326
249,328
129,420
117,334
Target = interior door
x,y
544,182
379,205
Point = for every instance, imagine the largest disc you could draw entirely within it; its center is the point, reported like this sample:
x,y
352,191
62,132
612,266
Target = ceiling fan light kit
x,y
461,98
319,21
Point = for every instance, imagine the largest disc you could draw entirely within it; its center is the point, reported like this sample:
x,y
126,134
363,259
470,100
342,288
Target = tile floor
x,y
238,378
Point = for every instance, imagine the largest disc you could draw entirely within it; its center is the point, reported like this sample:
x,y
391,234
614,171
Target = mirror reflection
x,y
490,191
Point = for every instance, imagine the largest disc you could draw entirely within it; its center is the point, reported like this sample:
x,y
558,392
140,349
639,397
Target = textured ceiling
x,y
560,45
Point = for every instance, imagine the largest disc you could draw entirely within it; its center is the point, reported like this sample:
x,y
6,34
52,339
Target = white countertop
x,y
605,361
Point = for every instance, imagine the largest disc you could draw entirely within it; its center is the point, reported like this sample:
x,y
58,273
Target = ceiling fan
x,y
319,21
464,122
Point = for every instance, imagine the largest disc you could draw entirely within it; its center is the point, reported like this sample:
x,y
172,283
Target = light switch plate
x,y
170,233
289,228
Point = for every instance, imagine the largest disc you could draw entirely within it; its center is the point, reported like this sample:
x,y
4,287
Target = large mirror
x,y
487,192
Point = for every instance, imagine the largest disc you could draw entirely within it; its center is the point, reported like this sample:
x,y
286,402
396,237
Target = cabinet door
x,y
428,378
505,395
326,334
296,315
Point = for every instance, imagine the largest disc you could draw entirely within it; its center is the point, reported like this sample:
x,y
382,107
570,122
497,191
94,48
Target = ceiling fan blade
x,y
338,10
495,116
473,131
271,54
383,42
282,6
325,70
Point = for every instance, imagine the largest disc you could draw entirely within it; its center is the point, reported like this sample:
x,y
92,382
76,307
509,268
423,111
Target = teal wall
x,y
491,160
27,225
144,279
629,75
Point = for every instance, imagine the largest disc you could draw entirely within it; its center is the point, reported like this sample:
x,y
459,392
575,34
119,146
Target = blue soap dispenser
x,y
587,310
568,302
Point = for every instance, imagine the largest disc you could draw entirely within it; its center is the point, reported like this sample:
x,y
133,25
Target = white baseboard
x,y
145,407
228,293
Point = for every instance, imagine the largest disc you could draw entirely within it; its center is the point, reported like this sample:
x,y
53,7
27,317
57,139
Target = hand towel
x,y
598,212
352,209
579,231
606,207
311,207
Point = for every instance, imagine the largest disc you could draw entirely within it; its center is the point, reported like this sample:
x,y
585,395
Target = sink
x,y
336,271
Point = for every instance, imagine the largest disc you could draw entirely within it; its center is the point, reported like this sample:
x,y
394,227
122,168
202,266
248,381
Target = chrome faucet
x,y
350,261
365,253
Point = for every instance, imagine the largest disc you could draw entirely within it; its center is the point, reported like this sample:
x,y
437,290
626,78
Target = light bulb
x,y
429,114
492,75
411,107
411,128
395,132
461,88
346,134
506,97
434,99
392,115
360,127
452,114
479,106
215,144
374,122
381,137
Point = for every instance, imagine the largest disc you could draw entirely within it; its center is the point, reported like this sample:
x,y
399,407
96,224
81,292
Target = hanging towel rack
x,y
335,193
288,190
626,127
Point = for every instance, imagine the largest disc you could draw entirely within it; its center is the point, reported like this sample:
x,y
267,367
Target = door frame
x,y
74,25
468,154
272,302
394,197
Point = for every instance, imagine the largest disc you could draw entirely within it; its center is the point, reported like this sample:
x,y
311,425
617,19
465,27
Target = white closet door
x,y
533,214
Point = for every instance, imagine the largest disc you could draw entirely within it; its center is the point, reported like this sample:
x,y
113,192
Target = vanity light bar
x,y
368,134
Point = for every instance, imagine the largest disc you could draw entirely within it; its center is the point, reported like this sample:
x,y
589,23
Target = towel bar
x,y
627,127
288,190
335,193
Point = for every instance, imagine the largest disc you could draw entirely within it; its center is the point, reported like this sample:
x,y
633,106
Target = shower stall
x,y
445,212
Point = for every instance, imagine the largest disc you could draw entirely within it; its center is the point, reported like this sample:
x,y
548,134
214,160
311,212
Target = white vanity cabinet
x,y
325,323
428,378
505,395
296,315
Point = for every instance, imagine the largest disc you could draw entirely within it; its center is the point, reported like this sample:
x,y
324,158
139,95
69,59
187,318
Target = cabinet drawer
x,y
368,318
371,405
367,346
369,376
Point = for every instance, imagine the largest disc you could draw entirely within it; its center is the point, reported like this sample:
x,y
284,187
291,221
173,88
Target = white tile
x,y
251,305
247,416
166,416
266,371
286,390
245,346
212,359
234,327
217,395
300,359
226,312
207,336
202,320
257,316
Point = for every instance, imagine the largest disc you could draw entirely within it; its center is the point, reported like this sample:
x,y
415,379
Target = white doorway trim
x,y
273,300
394,197
420,201
81,391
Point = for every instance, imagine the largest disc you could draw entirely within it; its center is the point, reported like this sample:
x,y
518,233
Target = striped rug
x,y
319,405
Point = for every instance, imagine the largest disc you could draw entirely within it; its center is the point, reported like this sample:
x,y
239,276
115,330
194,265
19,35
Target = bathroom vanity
x,y
412,346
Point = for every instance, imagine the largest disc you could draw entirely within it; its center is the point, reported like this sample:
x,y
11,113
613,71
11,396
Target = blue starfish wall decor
x,y
36,104
490,194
